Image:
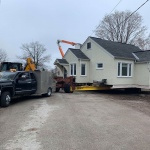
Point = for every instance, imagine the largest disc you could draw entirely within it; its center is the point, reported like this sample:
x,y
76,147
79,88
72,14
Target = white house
x,y
122,65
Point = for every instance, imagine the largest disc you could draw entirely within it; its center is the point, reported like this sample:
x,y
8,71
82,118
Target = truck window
x,y
32,76
3,67
7,75
24,75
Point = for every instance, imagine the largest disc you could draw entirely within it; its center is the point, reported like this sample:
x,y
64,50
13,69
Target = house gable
x,y
118,50
76,53
76,58
93,46
79,54
61,62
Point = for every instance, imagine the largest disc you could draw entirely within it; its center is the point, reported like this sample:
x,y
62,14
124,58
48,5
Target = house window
x,y
73,69
99,66
124,69
88,45
83,73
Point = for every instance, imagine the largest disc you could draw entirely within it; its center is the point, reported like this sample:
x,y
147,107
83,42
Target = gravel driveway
x,y
77,121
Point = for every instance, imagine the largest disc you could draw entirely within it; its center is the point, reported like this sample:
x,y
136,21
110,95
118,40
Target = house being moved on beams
x,y
120,65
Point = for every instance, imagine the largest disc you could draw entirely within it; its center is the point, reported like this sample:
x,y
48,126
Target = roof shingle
x,y
118,50
62,61
144,56
78,53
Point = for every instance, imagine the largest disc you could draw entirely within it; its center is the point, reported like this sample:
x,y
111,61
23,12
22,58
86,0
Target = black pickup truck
x,y
22,83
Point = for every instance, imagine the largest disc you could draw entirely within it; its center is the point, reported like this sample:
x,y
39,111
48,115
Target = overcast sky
x,y
25,21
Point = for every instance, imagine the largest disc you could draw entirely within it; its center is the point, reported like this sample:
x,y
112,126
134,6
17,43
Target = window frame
x,y
121,66
81,69
99,68
88,45
73,69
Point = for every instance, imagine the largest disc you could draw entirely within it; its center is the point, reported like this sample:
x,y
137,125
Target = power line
x,y
134,11
110,12
115,6
130,14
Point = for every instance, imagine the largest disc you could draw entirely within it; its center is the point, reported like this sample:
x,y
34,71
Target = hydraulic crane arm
x,y
30,66
67,42
64,41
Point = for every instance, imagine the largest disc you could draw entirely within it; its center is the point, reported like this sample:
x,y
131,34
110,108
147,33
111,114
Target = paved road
x,y
78,121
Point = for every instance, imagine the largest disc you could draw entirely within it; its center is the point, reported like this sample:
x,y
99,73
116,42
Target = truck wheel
x,y
5,99
49,92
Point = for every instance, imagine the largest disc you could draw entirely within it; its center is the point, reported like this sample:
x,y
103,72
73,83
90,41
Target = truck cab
x,y
22,83
25,82
15,84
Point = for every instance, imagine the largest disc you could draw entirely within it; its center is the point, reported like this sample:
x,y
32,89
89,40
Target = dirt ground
x,y
138,101
87,120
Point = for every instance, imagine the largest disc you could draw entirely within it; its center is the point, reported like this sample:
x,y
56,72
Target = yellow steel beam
x,y
90,88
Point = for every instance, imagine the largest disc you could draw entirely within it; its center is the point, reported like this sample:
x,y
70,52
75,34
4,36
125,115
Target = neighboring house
x,y
123,65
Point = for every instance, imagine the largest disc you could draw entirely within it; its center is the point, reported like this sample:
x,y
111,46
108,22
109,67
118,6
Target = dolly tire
x,y
67,88
57,89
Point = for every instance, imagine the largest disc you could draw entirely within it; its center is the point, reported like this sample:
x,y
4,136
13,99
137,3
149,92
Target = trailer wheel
x,y
49,93
5,99
67,88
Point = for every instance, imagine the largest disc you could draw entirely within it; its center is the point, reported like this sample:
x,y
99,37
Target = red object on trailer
x,y
67,84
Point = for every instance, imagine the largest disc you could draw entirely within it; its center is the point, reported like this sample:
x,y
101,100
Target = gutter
x,y
141,62
137,58
116,57
83,59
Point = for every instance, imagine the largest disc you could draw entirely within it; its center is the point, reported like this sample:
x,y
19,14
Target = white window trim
x,y
90,47
128,63
99,68
73,68
85,70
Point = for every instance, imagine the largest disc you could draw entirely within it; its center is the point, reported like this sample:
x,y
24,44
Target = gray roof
x,y
62,61
78,53
118,50
143,56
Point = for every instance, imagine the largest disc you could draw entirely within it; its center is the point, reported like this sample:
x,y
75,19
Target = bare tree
x,y
36,51
3,55
120,27
143,43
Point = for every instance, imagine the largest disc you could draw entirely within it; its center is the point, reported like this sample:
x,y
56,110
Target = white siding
x,y
80,78
59,72
142,74
71,58
98,55
123,80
